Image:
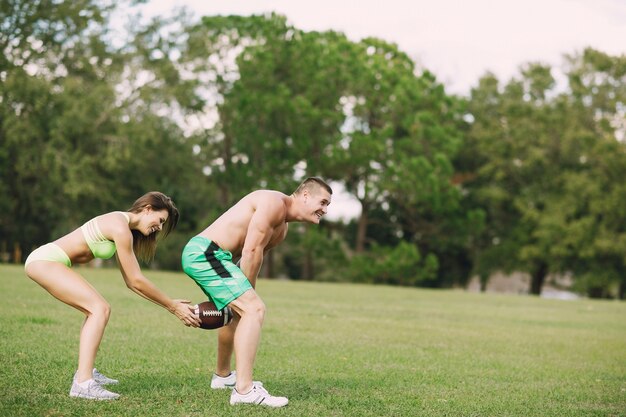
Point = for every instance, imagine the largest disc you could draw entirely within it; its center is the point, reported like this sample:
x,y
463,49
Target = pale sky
x,y
457,40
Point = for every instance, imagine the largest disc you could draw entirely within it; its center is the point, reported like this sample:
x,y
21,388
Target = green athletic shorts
x,y
49,252
212,268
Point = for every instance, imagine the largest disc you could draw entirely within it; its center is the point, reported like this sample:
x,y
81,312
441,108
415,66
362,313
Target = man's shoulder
x,y
272,203
268,196
268,193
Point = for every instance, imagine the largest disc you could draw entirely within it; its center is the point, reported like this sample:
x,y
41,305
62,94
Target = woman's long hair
x,y
145,246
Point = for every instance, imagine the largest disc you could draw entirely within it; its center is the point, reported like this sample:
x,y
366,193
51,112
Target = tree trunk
x,y
268,265
307,267
484,280
538,277
227,155
361,232
17,253
224,196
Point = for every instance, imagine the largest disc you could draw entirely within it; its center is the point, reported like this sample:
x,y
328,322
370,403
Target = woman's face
x,y
152,221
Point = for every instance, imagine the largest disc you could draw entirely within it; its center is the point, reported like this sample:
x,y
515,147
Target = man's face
x,y
316,204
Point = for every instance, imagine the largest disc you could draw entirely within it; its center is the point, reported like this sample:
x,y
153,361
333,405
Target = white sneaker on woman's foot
x,y
222,382
257,395
90,389
102,379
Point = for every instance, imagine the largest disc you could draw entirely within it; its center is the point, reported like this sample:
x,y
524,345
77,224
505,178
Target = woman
x,y
127,233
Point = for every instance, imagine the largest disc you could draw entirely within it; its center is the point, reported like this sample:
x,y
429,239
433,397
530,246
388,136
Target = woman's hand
x,y
186,313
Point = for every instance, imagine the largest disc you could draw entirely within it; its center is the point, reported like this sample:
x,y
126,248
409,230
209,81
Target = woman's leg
x,y
71,288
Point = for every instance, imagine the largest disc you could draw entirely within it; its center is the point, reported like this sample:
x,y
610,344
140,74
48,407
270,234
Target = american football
x,y
211,317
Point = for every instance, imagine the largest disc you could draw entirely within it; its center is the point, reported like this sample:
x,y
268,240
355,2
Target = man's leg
x,y
247,335
225,343
225,340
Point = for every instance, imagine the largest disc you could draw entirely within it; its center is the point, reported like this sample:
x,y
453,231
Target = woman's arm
x,y
139,284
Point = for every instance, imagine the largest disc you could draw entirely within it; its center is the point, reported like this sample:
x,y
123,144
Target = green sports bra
x,y
101,247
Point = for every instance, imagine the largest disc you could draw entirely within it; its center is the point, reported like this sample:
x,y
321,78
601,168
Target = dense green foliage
x,y
432,353
545,165
523,176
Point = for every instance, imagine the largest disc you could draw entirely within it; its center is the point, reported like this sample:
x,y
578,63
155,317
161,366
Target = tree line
x,y
522,175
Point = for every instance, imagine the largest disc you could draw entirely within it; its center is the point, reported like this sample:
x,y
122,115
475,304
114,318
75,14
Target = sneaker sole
x,y
262,403
223,387
88,397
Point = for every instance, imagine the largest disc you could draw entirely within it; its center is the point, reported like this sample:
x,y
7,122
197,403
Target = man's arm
x,y
268,215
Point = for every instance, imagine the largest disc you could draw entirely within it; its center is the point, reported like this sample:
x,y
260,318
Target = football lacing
x,y
211,313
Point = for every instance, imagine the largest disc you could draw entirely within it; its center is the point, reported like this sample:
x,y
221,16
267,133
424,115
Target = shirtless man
x,y
248,230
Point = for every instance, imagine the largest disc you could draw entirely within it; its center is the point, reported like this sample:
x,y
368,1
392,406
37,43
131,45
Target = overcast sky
x,y
457,40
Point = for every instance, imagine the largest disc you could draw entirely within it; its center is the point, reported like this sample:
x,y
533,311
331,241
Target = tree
x,y
399,138
277,91
514,156
73,145
41,68
234,146
598,230
295,103
537,162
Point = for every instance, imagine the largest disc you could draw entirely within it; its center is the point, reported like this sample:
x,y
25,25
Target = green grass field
x,y
333,349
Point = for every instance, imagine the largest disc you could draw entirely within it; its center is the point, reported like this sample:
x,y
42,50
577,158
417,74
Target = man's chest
x,y
278,236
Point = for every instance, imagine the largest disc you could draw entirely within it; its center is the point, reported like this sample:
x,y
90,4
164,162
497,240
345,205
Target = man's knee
x,y
256,309
250,304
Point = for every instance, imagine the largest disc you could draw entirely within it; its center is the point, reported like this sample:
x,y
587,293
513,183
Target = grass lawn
x,y
333,349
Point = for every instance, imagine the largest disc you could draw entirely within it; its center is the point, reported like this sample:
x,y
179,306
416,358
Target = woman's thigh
x,y
65,284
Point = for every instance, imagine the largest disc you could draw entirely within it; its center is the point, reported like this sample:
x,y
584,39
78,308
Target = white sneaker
x,y
100,378
257,395
222,382
90,389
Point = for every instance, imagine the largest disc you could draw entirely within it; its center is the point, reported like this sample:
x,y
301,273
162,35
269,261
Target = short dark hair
x,y
313,183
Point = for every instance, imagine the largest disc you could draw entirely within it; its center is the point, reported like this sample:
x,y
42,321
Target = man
x,y
248,230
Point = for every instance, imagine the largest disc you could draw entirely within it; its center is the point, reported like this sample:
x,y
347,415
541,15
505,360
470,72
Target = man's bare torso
x,y
230,229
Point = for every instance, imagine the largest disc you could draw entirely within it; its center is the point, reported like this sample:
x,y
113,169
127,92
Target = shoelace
x,y
259,388
98,389
98,375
